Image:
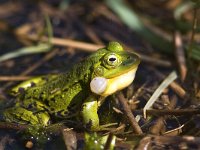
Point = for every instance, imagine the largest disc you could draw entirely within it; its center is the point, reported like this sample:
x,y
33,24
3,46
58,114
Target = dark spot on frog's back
x,y
52,109
65,112
30,106
62,113
53,99
33,84
21,90
89,125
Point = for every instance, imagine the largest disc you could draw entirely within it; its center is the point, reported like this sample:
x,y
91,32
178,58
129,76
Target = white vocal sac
x,y
98,85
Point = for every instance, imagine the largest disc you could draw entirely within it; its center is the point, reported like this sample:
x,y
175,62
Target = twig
x,y
15,126
155,61
175,112
178,130
168,142
76,44
129,114
67,42
178,89
14,78
119,128
180,55
159,124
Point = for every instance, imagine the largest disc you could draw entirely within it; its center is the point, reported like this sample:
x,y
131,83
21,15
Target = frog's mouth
x,y
105,87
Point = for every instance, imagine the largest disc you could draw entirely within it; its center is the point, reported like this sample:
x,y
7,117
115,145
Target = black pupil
x,y
112,59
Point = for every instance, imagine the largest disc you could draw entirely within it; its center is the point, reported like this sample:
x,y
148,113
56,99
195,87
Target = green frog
x,y
79,92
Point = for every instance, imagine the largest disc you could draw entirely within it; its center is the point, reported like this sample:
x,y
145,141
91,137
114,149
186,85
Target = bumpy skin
x,y
70,92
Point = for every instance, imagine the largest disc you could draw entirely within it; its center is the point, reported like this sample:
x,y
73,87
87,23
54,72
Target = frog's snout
x,y
134,58
131,59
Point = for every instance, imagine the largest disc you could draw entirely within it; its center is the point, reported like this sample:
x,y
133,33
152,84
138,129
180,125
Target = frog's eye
x,y
112,60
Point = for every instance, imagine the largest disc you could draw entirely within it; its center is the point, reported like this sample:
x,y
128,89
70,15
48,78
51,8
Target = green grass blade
x,y
40,48
170,78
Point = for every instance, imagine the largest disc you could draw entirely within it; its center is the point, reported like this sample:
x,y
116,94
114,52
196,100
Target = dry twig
x,y
159,124
67,42
15,126
175,112
180,55
14,78
129,114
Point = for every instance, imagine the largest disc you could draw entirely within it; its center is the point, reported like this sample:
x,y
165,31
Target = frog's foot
x,y
40,134
36,134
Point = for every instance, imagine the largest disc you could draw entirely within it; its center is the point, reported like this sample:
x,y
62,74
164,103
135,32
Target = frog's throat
x,y
118,83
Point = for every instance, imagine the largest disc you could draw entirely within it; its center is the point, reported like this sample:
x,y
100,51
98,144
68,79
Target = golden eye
x,y
112,59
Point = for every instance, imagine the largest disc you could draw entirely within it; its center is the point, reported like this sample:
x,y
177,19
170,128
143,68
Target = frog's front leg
x,y
89,113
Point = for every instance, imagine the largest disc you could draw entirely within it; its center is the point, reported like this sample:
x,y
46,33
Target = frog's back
x,y
66,89
80,73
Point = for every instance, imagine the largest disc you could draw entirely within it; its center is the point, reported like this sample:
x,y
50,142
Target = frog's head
x,y
114,71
